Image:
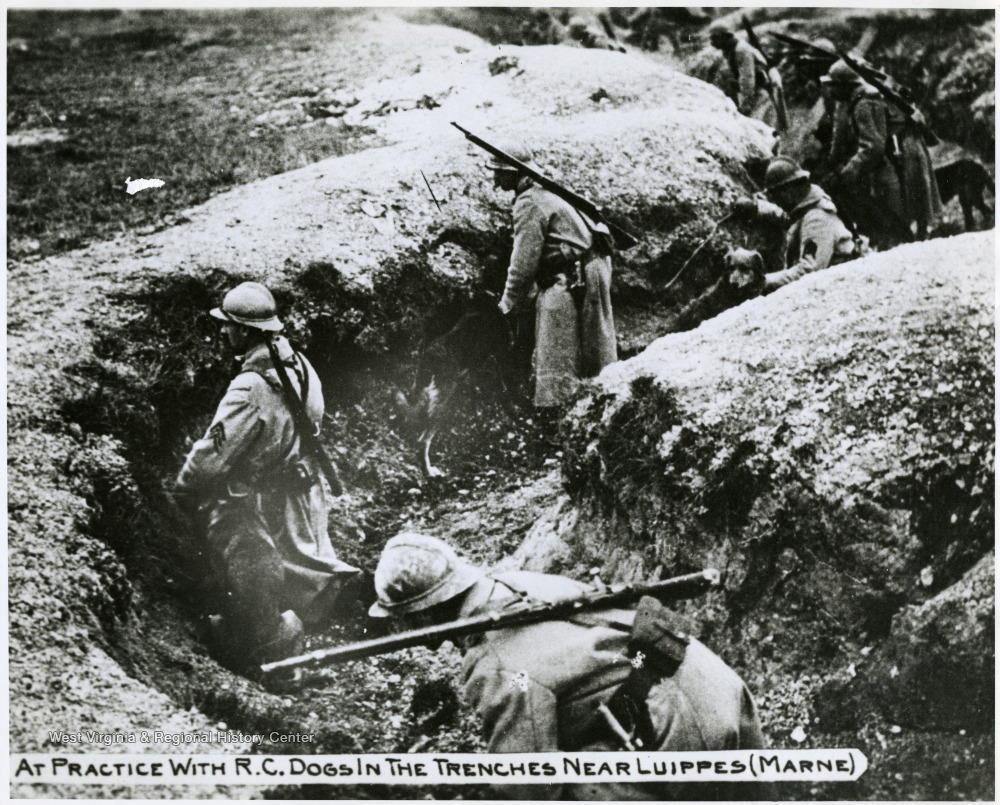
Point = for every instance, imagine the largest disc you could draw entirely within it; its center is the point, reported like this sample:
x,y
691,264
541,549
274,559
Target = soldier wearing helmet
x,y
816,236
556,251
537,688
265,498
756,86
881,164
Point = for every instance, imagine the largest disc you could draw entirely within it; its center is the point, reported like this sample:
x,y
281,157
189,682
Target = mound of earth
x,y
661,151
830,448
111,367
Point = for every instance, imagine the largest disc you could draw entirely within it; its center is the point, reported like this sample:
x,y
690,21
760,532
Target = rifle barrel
x,y
678,588
622,238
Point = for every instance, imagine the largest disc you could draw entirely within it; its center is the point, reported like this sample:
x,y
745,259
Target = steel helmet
x,y
516,149
416,572
782,171
251,305
840,73
718,32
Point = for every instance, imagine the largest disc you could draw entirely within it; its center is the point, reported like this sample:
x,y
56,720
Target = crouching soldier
x,y
816,237
570,685
264,493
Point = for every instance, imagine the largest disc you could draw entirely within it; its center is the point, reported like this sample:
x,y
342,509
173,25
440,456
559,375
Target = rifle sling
x,y
300,417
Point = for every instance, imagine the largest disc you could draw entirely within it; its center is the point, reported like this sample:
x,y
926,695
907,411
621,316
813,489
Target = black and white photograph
x,y
497,403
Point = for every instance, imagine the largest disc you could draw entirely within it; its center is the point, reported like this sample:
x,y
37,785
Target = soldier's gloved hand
x,y
745,208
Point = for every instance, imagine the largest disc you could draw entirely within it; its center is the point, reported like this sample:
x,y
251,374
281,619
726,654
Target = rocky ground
x,y
857,402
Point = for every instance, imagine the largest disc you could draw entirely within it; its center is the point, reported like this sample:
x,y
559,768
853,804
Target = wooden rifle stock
x,y
678,588
622,239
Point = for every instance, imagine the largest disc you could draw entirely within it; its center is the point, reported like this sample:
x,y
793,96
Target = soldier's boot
x,y
287,641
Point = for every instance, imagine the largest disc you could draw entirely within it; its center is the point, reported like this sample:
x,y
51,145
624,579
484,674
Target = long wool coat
x,y
814,221
905,186
570,343
268,511
537,687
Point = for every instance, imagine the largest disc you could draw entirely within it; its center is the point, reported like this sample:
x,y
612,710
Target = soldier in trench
x,y
264,496
816,237
758,89
881,167
557,263
538,688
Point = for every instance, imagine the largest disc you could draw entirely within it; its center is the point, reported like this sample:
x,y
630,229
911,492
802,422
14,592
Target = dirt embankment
x,y
831,449
112,367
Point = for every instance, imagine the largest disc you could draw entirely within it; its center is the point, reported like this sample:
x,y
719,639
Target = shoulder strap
x,y
300,417
267,376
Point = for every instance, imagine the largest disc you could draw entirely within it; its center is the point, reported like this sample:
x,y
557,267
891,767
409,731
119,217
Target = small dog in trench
x,y
479,351
970,181
742,279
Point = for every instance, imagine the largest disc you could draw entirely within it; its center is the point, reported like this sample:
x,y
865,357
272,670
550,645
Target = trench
x,y
157,372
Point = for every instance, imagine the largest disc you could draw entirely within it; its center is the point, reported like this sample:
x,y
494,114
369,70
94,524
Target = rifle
x,y
874,78
776,87
678,588
727,217
309,436
621,238
808,49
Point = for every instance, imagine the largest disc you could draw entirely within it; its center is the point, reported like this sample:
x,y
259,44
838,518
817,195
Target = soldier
x,y
756,86
816,236
558,261
266,498
881,162
538,688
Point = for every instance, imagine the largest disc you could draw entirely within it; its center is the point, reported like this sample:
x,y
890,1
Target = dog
x,y
966,178
742,279
479,349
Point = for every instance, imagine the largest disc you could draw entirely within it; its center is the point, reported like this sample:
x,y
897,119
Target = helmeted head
x,y
720,36
824,44
781,172
785,183
252,305
517,149
841,74
417,572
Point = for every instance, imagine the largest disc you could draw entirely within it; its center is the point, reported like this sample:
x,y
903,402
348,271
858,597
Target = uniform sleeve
x,y
769,213
818,229
839,135
529,237
234,429
817,241
746,66
872,129
519,715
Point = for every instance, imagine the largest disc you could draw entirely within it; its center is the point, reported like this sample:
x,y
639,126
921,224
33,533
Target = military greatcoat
x,y
571,342
536,687
753,83
267,500
883,159
815,229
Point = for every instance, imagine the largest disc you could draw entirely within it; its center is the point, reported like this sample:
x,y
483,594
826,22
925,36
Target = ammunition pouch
x,y
549,274
656,648
568,263
296,477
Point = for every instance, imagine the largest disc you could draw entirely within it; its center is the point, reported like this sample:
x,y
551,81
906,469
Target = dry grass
x,y
154,94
